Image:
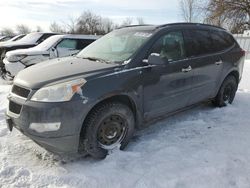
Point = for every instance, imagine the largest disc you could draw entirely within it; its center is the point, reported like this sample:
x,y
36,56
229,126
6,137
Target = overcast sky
x,y
43,12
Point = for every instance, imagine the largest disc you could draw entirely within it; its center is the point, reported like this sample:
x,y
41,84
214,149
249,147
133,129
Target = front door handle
x,y
218,62
188,69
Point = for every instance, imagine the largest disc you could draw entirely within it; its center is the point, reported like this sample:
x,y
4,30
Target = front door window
x,y
170,47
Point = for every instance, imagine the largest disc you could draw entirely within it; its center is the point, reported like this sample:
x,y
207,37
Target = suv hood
x,y
28,51
57,70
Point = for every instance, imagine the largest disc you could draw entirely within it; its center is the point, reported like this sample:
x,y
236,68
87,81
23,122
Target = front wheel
x,y
109,126
227,92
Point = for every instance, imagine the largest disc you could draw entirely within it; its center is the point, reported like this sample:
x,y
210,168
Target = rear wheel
x,y
227,92
109,126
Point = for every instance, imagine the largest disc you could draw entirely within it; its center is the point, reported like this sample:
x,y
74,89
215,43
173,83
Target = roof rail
x,y
186,23
127,26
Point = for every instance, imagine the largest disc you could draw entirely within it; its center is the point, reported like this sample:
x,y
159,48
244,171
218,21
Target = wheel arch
x,y
233,72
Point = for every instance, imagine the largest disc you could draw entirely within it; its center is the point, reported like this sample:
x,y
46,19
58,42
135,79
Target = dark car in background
x,y
15,38
5,38
93,102
30,40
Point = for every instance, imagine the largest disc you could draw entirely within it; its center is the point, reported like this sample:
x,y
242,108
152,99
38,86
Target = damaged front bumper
x,y
4,74
13,68
65,139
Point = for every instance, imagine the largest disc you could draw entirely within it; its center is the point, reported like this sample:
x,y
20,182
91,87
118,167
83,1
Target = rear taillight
x,y
242,52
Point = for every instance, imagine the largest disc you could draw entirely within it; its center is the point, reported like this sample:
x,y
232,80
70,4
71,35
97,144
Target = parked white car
x,y
54,47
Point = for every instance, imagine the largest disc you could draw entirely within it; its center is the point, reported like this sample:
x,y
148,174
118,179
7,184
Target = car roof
x,y
45,33
76,36
180,24
190,24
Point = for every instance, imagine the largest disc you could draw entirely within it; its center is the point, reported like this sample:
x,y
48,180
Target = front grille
x,y
14,107
20,91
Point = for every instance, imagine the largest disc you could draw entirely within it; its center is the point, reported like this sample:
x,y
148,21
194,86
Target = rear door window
x,y
170,46
199,43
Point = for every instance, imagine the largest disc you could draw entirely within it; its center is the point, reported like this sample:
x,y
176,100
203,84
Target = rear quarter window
x,y
221,40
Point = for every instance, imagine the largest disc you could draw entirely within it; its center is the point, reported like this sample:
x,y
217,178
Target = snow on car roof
x,y
93,37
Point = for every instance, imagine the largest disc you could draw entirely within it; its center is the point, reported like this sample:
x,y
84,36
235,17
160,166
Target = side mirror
x,y
53,52
155,59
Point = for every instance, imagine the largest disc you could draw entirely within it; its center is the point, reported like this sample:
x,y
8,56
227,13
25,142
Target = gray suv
x,y
93,102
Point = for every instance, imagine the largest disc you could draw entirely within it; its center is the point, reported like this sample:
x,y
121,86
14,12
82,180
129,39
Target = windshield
x,y
117,46
49,42
18,37
30,38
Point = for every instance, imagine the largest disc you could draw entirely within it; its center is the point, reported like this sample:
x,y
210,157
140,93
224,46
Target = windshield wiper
x,y
96,59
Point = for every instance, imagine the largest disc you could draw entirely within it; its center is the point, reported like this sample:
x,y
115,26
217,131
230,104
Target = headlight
x,y
59,92
15,58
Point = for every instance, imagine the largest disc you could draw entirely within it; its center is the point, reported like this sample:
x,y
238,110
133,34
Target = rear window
x,y
44,37
221,40
199,42
82,43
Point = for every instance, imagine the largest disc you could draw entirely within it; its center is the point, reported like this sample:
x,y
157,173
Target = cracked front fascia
x,y
80,93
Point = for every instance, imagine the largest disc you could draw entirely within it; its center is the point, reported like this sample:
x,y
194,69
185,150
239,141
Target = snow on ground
x,y
203,147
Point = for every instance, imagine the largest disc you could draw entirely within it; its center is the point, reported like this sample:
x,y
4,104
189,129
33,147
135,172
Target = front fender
x,y
126,84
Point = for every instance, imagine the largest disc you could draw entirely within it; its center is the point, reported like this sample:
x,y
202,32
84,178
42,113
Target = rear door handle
x,y
188,69
218,62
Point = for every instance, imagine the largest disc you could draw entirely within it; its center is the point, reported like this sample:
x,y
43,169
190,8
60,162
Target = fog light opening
x,y
45,127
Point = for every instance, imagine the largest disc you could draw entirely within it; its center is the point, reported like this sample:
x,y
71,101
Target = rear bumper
x,y
13,68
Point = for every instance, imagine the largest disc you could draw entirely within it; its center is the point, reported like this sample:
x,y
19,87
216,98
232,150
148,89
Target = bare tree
x,y
55,27
71,24
107,25
38,29
7,32
189,10
22,29
89,23
233,14
140,21
127,21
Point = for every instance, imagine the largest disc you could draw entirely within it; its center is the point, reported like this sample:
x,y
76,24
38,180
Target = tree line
x,y
91,23
233,15
19,29
87,23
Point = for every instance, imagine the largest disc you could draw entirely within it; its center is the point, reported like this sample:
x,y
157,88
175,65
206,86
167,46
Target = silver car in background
x,y
54,47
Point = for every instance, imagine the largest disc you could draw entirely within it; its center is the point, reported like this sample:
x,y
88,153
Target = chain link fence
x,y
244,41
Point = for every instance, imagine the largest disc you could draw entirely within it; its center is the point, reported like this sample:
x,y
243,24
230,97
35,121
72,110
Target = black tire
x,y
110,122
227,92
